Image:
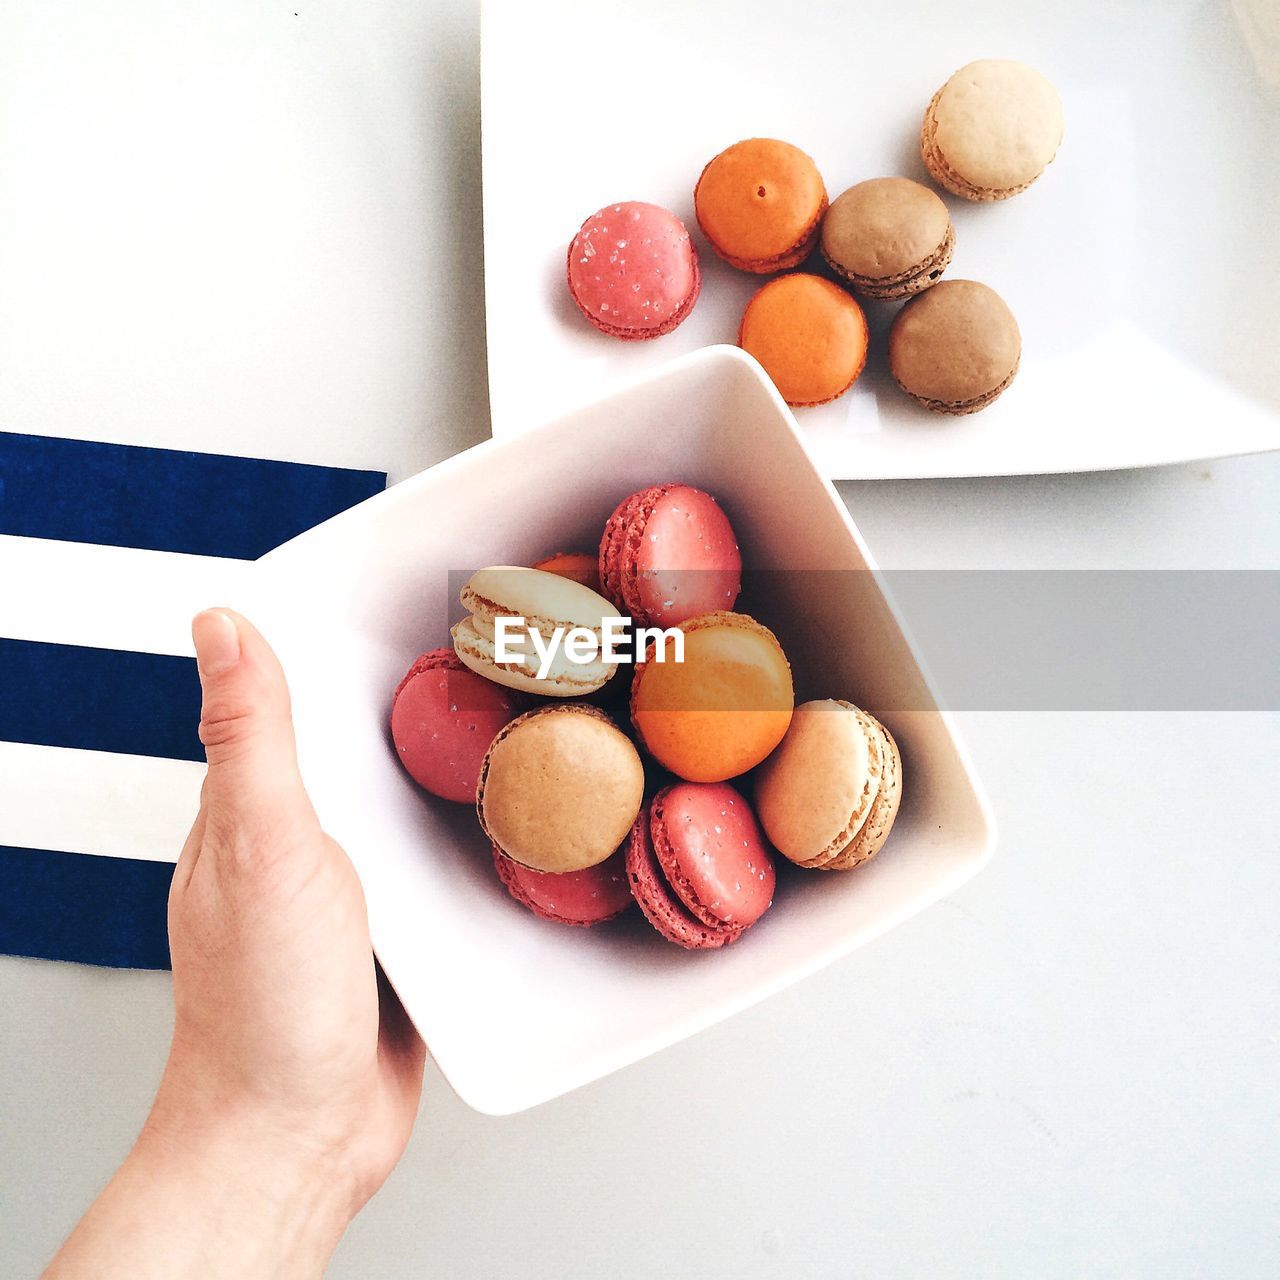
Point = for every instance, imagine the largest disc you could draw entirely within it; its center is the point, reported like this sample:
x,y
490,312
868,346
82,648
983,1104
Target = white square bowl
x,y
516,1010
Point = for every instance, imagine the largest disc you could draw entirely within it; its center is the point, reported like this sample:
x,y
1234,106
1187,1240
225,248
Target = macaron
x,y
720,711
633,270
541,602
699,866
888,237
955,348
669,554
559,788
582,898
760,203
989,132
443,718
828,796
808,334
581,566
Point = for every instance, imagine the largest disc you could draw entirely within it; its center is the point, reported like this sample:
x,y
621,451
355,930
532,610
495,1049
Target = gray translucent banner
x,y
1024,640
1105,640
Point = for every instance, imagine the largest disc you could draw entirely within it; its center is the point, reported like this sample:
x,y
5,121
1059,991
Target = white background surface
x,y
1140,266
1067,1068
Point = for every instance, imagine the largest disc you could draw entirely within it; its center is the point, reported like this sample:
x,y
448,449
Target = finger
x,y
245,724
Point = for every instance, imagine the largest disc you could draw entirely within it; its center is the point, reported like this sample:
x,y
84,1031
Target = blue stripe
x,y
62,695
72,906
166,499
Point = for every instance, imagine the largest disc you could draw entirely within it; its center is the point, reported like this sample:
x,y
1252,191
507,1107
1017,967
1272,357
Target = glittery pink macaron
x,y
633,271
669,554
443,718
699,866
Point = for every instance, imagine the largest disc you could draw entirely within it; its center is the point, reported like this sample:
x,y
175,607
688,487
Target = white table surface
x,y
1067,1069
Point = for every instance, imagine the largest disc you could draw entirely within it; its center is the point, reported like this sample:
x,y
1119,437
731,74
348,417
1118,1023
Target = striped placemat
x,y
106,551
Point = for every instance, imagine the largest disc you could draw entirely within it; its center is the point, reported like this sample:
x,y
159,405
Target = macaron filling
x,y
478,634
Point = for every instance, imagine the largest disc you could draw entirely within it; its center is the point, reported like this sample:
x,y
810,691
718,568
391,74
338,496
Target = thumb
x,y
246,723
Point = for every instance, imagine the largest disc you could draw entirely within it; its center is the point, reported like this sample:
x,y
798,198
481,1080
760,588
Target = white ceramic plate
x,y
1143,267
514,1009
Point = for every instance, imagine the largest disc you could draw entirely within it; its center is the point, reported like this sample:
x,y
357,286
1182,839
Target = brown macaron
x,y
827,797
888,237
955,347
559,788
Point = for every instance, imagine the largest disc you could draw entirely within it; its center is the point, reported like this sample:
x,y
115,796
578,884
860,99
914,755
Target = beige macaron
x,y
827,797
559,788
888,237
955,348
542,602
991,129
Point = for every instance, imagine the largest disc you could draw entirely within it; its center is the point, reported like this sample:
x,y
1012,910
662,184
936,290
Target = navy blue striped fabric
x,y
166,499
74,906
100,910
63,695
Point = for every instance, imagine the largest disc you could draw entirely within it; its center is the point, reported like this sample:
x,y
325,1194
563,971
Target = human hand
x,y
294,1076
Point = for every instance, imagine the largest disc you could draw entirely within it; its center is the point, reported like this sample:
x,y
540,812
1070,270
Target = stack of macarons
x,y
762,206
678,792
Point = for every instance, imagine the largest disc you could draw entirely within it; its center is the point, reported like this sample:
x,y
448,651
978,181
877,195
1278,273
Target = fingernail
x,y
217,641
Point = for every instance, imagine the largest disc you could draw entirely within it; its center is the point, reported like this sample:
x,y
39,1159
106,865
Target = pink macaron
x,y
580,898
699,866
443,718
633,270
669,554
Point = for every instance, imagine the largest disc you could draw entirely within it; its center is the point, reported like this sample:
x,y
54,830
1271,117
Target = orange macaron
x,y
724,708
810,336
581,566
760,204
